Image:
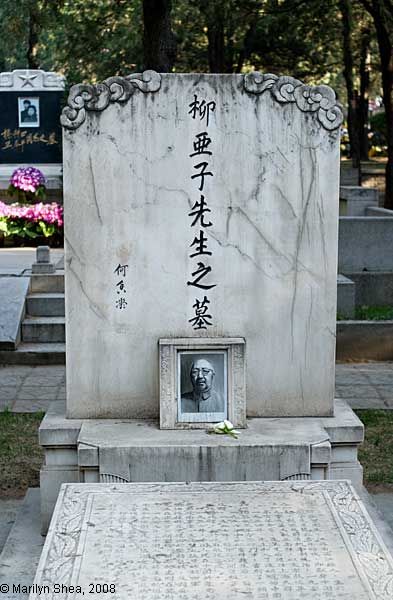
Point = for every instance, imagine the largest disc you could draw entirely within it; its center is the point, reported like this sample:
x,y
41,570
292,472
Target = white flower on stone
x,y
225,427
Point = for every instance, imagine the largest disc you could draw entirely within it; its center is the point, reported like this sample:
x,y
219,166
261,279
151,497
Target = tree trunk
x,y
382,14
159,44
364,75
246,48
387,82
345,9
32,42
216,46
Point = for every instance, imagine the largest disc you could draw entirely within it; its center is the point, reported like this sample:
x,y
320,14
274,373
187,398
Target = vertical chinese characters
x,y
121,291
200,214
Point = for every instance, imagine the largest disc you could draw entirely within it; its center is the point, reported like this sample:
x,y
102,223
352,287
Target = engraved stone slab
x,y
262,541
200,205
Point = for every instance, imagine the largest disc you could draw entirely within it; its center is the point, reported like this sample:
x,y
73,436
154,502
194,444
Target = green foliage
x,y
20,452
378,128
374,313
90,40
14,20
22,196
376,453
370,313
27,229
297,38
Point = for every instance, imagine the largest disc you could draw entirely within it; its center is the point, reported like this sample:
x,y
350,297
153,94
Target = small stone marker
x,y
43,264
261,541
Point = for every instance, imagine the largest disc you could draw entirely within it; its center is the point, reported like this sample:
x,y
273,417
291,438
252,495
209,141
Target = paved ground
x,y
16,261
9,508
27,389
384,503
365,385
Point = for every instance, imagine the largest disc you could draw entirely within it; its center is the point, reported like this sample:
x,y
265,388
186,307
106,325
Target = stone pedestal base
x,y
138,451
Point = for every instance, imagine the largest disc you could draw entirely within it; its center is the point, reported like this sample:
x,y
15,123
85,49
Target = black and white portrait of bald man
x,y
203,397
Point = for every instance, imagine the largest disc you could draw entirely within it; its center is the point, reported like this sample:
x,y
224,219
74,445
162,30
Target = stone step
x,y
48,304
43,329
34,354
47,283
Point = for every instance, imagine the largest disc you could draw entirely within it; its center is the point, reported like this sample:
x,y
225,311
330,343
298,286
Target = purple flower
x,y
28,179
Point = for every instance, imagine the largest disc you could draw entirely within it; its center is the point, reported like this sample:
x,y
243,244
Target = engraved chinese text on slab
x,y
260,541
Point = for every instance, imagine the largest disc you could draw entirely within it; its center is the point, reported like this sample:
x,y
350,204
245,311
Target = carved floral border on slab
x,y
86,97
319,99
60,550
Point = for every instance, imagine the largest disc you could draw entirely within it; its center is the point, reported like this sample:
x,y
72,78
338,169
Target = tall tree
x,y
159,44
382,14
362,105
229,26
33,35
90,40
353,130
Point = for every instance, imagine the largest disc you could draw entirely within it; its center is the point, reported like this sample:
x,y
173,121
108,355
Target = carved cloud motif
x,y
86,97
319,99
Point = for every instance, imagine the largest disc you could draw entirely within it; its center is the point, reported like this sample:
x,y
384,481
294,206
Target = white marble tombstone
x,y
226,182
261,541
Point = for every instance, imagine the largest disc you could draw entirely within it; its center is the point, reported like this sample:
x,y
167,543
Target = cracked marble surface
x,y
274,208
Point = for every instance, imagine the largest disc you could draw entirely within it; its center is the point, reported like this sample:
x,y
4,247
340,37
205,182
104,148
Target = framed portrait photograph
x,y
29,111
202,387
202,381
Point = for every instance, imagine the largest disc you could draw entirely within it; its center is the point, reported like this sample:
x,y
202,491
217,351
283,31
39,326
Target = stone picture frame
x,y
227,361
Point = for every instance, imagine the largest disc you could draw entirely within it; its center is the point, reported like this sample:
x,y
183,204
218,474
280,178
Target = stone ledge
x,y
365,340
57,430
118,450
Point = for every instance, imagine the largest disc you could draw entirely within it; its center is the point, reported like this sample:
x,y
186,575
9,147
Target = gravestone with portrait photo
x,y
210,212
30,131
200,283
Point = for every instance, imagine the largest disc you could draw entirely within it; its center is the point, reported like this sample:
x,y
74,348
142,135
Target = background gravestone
x,y
26,140
37,138
200,205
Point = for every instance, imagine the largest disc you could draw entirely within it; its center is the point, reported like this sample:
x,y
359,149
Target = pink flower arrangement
x,y
25,219
27,179
48,213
